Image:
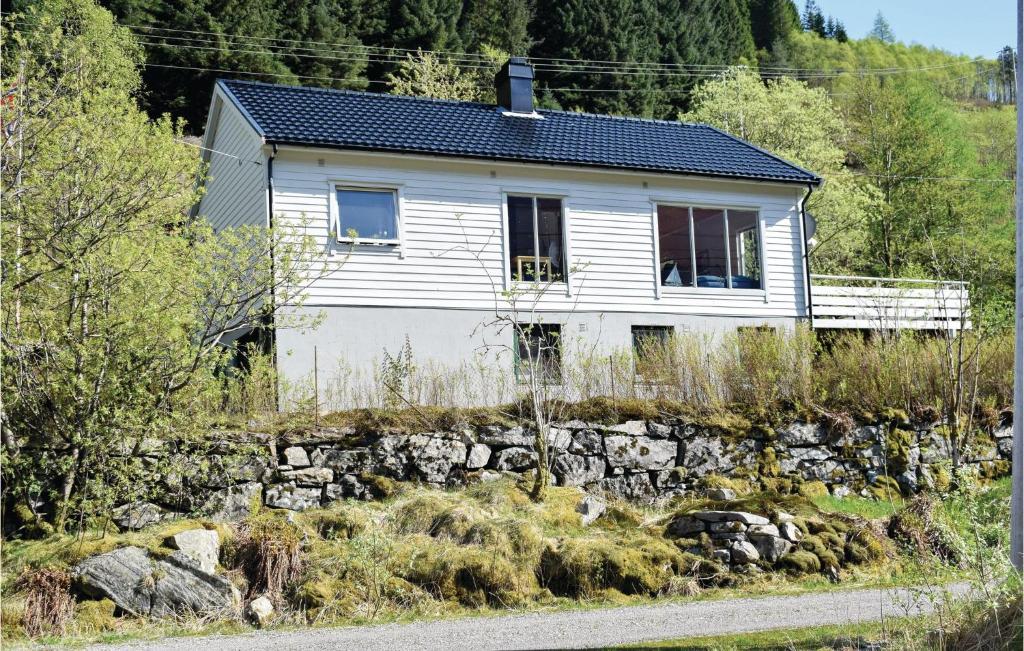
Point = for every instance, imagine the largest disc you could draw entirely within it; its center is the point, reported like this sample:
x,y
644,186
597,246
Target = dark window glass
x,y
549,234
674,246
536,239
538,347
521,241
370,213
709,247
744,249
650,349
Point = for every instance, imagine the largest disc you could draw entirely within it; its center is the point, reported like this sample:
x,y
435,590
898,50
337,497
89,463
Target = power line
x,y
478,61
222,153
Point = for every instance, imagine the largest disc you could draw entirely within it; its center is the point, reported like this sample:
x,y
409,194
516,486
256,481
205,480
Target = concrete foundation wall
x,y
465,345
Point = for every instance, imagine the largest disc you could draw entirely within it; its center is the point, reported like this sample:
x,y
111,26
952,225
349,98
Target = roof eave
x,y
812,179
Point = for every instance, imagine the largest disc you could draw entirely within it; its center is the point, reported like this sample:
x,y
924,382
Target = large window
x,y
539,349
709,247
536,239
367,215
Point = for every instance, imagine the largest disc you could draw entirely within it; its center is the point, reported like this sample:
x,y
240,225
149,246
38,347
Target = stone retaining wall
x,y
638,460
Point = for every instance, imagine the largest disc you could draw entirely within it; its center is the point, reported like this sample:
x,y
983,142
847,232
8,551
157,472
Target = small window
x,y
536,236
371,216
650,350
539,348
709,247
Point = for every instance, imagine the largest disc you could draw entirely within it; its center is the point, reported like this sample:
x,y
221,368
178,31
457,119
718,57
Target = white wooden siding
x,y
449,206
236,185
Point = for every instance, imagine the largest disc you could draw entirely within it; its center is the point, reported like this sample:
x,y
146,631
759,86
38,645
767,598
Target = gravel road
x,y
584,629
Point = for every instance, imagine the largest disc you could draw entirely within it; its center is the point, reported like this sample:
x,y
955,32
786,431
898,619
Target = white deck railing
x,y
867,303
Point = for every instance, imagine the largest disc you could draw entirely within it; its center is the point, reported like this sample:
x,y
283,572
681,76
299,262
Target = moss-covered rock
x,y
95,616
800,562
813,489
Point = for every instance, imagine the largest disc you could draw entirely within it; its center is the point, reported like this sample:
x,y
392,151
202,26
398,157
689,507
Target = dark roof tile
x,y
297,115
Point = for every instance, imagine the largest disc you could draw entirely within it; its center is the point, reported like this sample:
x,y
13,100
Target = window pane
x,y
709,241
651,350
522,261
549,227
538,347
745,250
674,246
371,214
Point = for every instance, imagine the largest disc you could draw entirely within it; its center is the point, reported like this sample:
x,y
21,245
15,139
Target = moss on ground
x,y
428,552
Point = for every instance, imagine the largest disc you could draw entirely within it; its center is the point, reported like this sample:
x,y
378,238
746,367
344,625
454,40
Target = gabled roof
x,y
319,117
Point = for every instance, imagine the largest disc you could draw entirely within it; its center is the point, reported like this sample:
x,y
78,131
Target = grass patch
x,y
863,506
841,636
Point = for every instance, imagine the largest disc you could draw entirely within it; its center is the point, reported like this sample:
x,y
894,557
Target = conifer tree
x,y
772,20
603,30
503,24
881,30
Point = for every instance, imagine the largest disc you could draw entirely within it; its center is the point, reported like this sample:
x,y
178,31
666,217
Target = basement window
x,y
713,248
650,351
539,350
367,216
536,239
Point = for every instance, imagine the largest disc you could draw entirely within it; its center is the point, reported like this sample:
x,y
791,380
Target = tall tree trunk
x,y
68,486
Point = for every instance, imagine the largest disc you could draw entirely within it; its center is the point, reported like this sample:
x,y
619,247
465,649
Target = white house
x,y
631,226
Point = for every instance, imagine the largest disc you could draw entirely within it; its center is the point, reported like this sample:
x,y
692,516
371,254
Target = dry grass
x,y
48,601
269,552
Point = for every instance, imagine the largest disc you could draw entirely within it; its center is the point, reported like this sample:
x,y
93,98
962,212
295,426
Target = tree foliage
x,y
115,303
802,125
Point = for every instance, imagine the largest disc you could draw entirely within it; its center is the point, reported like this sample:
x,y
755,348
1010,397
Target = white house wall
x,y
450,206
237,176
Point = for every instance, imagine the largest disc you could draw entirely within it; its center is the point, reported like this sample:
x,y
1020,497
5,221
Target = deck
x,y
867,303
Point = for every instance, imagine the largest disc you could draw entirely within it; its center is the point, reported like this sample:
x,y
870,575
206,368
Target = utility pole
x,y
1016,515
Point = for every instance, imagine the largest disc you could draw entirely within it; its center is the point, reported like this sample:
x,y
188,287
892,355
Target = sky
x,y
973,27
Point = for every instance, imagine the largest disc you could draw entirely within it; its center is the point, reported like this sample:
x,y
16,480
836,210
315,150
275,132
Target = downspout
x,y
273,270
807,253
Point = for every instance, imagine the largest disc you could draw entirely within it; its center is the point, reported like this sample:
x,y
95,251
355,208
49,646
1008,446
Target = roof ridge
x,y
366,93
630,118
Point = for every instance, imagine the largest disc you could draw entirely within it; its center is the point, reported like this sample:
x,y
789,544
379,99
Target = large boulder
x,y
136,515
233,503
640,452
201,545
576,470
144,586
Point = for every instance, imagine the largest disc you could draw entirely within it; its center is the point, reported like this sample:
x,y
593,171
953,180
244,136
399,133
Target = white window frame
x,y
506,235
728,290
335,213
